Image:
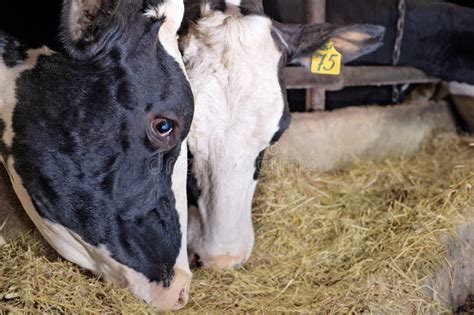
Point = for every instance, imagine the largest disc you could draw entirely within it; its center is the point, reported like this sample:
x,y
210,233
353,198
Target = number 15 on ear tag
x,y
327,60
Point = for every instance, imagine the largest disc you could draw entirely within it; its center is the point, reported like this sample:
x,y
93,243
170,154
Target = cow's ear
x,y
87,26
302,41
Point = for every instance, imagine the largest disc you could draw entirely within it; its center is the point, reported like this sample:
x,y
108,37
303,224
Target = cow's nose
x,y
183,299
176,296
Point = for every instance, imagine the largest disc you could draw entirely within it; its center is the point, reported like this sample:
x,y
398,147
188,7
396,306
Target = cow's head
x,y
90,139
234,56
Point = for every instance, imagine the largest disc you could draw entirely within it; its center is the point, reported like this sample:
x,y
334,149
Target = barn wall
x,y
331,140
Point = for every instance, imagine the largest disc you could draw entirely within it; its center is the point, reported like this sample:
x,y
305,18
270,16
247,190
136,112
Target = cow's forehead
x,y
241,51
231,24
172,11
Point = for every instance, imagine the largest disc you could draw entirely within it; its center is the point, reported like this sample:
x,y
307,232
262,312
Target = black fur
x,y
79,148
12,51
35,23
193,11
193,190
251,7
258,165
285,120
4,150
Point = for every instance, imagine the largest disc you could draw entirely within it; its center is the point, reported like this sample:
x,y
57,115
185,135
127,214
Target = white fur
x,y
232,62
173,12
179,178
458,88
234,2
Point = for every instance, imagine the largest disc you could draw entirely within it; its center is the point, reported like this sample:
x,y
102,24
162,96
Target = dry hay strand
x,y
365,239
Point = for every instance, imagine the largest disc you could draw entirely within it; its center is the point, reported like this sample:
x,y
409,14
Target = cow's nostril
x,y
183,299
237,266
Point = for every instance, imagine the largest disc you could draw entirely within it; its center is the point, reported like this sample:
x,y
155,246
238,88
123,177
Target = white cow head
x,y
234,56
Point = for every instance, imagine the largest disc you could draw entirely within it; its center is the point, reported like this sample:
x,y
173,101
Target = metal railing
x,y
317,85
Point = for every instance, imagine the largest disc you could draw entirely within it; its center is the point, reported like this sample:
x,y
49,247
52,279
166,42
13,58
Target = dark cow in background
x,y
90,138
234,55
438,38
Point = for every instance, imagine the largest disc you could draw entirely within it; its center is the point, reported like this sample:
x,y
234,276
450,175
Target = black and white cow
x,y
91,140
234,56
438,38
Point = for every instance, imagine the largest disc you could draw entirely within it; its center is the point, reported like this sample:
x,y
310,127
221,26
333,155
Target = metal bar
x,y
316,99
300,78
316,96
316,11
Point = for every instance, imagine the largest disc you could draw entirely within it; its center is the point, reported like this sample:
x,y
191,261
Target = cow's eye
x,y
163,126
163,132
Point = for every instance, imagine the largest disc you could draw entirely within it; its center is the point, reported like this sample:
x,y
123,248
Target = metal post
x,y
316,13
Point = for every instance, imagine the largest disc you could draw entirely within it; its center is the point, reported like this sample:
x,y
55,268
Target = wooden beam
x,y
300,78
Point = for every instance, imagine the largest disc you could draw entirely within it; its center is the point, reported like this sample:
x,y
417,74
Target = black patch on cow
x,y
246,11
194,193
283,125
124,136
220,6
285,120
107,184
251,7
124,95
4,151
3,127
80,152
12,51
258,165
148,107
152,3
193,12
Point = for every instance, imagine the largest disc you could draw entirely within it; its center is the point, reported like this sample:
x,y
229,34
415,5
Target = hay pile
x,y
363,239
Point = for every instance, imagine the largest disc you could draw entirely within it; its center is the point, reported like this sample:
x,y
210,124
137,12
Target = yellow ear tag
x,y
327,60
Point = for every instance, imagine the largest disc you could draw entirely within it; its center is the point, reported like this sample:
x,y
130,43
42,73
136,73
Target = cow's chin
x,y
100,261
220,241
